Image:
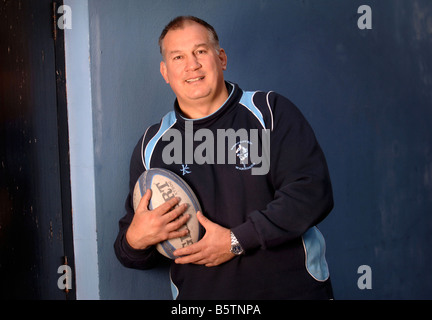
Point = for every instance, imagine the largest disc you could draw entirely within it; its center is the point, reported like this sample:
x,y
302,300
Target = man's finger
x,y
205,222
195,258
175,223
189,250
178,233
145,199
175,213
167,206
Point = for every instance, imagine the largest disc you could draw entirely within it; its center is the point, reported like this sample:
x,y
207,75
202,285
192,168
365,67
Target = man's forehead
x,y
193,47
192,34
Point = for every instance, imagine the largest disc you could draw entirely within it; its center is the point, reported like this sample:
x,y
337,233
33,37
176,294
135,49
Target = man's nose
x,y
192,64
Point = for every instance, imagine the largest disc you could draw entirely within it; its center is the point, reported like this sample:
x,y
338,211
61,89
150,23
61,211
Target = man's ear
x,y
223,59
163,71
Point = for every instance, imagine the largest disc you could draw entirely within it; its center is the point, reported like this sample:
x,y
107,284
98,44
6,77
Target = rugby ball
x,y
165,185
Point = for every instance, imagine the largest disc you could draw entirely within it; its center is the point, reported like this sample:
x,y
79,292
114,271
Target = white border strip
x,y
79,101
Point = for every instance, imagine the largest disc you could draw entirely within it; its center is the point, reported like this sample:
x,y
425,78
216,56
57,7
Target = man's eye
x,y
201,51
177,57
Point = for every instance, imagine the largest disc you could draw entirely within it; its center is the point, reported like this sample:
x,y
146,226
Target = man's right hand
x,y
149,227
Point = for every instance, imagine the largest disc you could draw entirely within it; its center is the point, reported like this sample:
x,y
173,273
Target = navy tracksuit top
x,y
273,215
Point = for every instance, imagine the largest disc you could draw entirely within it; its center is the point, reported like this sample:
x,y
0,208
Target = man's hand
x,y
150,227
212,250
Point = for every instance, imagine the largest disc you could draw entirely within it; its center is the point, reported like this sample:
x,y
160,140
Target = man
x,y
260,238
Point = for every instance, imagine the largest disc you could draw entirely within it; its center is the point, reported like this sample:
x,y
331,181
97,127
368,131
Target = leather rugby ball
x,y
165,185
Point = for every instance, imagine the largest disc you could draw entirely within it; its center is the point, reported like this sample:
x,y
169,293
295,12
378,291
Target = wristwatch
x,y
236,248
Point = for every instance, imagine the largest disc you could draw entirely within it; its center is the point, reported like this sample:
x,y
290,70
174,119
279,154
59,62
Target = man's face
x,y
192,66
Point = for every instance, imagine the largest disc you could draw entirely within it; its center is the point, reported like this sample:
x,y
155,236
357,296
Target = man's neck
x,y
200,109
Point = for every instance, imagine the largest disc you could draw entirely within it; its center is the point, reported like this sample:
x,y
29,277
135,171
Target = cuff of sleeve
x,y
133,253
247,236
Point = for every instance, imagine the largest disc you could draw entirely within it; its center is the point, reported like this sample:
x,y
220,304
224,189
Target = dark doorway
x,y
35,206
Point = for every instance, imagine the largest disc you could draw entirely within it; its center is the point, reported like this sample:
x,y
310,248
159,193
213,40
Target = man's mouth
x,y
194,79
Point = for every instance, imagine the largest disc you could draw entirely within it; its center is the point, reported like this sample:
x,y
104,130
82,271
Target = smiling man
x,y
193,66
261,239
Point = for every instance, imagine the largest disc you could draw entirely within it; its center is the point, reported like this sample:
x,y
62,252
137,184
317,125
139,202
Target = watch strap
x,y
236,248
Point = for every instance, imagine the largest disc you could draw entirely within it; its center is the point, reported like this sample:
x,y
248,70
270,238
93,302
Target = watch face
x,y
236,249
235,245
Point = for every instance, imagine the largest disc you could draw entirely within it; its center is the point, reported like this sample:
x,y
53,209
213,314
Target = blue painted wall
x,y
367,94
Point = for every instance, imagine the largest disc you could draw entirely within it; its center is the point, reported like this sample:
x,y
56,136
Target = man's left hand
x,y
212,250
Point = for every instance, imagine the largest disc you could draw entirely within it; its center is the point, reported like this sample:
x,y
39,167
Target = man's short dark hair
x,y
180,21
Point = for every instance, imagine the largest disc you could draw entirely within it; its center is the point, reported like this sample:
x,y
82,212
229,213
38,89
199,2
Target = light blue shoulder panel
x,y
247,101
167,122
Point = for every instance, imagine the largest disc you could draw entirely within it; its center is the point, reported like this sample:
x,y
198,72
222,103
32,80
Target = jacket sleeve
x,y
298,172
128,256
